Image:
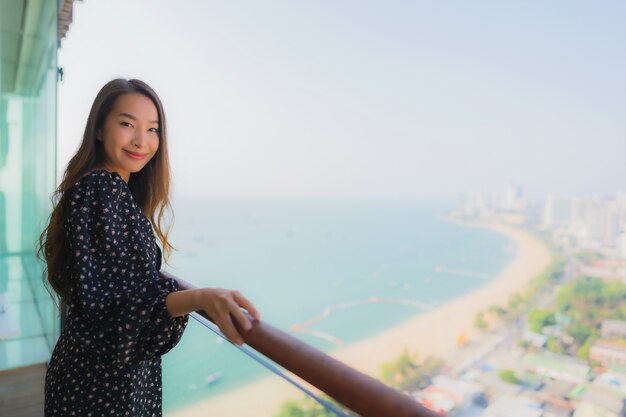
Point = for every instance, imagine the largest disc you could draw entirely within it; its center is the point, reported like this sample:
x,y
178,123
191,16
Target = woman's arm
x,y
218,303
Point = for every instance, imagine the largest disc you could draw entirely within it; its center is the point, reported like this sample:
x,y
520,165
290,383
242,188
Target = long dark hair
x,y
150,187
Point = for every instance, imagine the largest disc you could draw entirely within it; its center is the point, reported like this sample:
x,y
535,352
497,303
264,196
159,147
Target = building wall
x,y
607,354
28,97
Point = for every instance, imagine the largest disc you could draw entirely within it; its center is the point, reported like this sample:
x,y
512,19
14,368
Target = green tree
x,y
515,301
508,375
583,351
291,409
589,256
479,321
553,345
586,302
497,311
538,318
406,373
579,331
308,407
396,371
564,297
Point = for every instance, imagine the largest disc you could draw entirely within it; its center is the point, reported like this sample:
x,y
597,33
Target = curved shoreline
x,y
422,333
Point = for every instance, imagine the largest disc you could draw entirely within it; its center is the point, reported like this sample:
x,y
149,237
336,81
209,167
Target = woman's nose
x,y
139,138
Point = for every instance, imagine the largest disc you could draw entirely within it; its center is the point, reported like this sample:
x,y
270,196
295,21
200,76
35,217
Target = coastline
x,y
418,334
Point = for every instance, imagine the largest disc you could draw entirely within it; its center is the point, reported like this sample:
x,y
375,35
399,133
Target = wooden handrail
x,y
359,392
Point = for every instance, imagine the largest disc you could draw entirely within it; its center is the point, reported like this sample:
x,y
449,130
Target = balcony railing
x,y
357,391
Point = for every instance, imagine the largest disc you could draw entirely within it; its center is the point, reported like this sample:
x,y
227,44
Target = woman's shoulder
x,y
99,175
99,184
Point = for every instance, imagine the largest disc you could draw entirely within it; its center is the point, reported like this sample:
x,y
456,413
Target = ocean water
x,y
297,260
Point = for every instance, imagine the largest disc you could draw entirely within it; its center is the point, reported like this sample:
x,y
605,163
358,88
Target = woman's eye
x,y
154,129
125,124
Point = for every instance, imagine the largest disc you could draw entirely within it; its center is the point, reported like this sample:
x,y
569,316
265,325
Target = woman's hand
x,y
220,303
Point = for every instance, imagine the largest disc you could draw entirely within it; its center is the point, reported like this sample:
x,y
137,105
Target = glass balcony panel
x,y
219,378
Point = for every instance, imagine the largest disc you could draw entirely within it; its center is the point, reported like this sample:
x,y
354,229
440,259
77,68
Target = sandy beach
x,y
433,332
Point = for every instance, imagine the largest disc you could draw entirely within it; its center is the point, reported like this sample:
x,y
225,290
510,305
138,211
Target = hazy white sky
x,y
395,99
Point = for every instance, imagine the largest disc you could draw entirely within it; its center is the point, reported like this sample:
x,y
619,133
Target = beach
x,y
431,333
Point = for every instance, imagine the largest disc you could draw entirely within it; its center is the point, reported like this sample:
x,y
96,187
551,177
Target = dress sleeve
x,y
116,283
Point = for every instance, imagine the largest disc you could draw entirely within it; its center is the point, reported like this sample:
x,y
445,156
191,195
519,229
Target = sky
x,y
396,100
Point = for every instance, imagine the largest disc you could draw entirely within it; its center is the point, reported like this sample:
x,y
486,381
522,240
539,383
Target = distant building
x,y
557,332
557,366
558,389
614,379
537,340
603,272
448,395
513,199
620,200
597,223
558,212
551,410
513,407
476,206
496,386
599,402
612,329
621,245
607,353
586,409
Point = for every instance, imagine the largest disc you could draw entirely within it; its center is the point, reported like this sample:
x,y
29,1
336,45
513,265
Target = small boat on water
x,y
213,378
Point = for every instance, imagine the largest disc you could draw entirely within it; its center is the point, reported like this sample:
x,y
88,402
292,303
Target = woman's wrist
x,y
183,302
198,298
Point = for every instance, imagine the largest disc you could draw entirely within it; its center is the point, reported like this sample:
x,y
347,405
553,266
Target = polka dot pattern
x,y
107,361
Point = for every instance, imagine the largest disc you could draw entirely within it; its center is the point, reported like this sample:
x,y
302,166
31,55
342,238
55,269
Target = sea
x,y
343,270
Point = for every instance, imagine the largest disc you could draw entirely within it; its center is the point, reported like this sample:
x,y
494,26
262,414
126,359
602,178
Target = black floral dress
x,y
107,361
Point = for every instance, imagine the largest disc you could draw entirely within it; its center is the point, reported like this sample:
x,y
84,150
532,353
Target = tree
x,y
580,332
479,321
395,373
291,409
406,373
515,300
553,345
538,318
508,375
583,351
308,407
497,311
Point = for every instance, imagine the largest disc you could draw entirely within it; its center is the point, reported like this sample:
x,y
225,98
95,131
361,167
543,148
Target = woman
x,y
103,264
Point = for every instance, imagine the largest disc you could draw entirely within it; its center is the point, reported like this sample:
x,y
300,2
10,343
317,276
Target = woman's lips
x,y
135,155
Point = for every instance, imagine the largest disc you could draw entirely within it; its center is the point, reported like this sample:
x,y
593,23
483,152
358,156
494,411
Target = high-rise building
x,y
513,199
597,222
621,245
558,212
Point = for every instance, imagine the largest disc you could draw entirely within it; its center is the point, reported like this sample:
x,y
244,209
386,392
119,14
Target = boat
x,y
213,378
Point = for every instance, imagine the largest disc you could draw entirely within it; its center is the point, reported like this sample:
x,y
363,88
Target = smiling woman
x,y
103,263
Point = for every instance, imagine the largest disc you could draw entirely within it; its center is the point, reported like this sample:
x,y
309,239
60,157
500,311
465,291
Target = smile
x,y
134,155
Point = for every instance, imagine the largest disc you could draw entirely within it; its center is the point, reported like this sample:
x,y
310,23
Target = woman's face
x,y
130,134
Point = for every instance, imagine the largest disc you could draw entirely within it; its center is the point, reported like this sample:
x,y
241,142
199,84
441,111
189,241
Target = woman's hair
x,y
150,187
